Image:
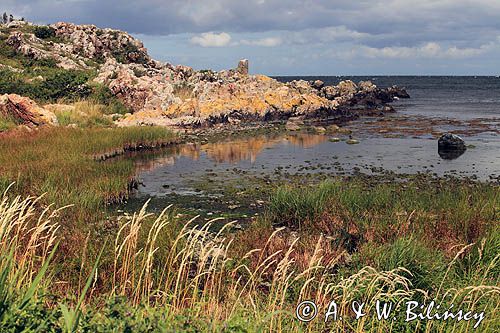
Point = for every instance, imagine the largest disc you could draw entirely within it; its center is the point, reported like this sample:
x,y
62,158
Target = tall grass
x,y
66,164
62,163
86,113
188,274
444,213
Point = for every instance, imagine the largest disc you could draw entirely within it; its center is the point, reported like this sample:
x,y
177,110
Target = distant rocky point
x,y
163,94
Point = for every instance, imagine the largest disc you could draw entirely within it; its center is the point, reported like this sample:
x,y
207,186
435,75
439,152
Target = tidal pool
x,y
205,172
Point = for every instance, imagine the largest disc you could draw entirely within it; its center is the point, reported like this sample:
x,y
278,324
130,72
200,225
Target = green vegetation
x,y
6,123
440,211
166,275
61,162
129,53
87,114
44,32
44,82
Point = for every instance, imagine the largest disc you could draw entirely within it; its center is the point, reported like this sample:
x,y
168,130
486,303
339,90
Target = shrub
x,y
123,55
44,32
104,96
47,62
58,83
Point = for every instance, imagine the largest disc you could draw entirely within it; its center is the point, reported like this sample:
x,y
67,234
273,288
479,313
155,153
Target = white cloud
x,y
325,35
428,50
267,42
210,39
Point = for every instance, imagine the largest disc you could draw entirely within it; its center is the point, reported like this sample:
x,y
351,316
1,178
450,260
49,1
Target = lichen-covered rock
x,y
347,87
138,87
251,98
30,46
163,94
25,111
330,92
94,43
367,86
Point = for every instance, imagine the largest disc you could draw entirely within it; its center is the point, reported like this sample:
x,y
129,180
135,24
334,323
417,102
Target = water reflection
x,y
178,169
232,152
447,154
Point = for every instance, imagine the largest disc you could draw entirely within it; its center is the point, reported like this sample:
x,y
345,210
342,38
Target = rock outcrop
x,y
242,67
163,94
25,111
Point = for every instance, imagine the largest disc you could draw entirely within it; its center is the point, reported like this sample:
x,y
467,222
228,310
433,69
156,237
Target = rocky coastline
x,y
162,94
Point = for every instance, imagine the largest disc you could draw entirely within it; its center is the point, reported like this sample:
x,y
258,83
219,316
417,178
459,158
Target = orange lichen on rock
x,y
25,111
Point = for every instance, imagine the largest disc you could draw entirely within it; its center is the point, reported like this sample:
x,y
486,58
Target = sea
x,y
461,97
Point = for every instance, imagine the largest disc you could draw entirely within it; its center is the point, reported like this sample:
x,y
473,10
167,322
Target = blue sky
x,y
309,37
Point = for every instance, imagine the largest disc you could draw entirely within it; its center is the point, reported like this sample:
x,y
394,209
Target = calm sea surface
x,y
461,97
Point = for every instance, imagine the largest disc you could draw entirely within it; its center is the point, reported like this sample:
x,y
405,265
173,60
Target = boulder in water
x,y
451,146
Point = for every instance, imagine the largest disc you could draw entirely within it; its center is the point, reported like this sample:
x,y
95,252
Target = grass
x,y
173,276
83,114
61,162
445,213
6,123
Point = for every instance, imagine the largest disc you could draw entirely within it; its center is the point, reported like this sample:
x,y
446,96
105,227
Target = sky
x,y
293,37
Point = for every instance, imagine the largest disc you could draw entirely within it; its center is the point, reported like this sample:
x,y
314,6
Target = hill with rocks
x,y
63,62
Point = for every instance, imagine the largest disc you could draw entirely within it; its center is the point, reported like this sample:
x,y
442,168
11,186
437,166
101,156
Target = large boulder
x,y
25,111
451,146
451,141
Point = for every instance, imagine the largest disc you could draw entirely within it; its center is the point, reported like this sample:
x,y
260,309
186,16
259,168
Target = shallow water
x,y
403,143
175,169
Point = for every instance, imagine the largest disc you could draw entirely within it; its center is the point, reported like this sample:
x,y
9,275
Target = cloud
x,y
430,50
267,42
325,35
210,39
295,29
